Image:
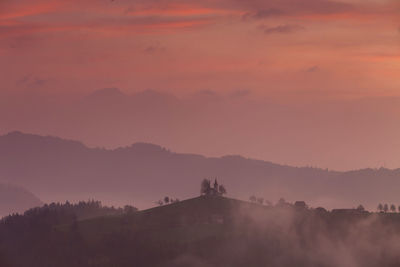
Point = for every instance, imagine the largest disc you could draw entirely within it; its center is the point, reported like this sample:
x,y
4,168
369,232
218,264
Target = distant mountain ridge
x,y
15,199
59,170
342,135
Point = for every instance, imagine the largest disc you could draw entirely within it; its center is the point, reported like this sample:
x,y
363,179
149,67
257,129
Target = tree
x,y
398,208
392,208
260,200
253,198
281,202
176,200
129,209
360,208
380,207
385,208
166,200
221,190
159,202
205,187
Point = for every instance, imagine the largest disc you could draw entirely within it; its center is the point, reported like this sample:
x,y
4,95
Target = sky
x,y
300,82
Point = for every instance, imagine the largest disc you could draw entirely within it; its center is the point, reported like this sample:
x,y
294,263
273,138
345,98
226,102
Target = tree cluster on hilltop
x,y
386,208
67,212
215,190
167,200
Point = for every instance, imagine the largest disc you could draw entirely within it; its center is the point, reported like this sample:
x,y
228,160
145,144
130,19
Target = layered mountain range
x,y
57,170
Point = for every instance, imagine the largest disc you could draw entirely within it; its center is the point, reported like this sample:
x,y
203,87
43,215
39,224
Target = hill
x,y
204,232
15,199
58,170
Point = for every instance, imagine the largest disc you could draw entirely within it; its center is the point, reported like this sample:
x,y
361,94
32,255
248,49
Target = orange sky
x,y
266,46
288,51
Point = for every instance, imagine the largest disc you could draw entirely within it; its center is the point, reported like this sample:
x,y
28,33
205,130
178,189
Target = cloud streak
x,y
282,29
162,13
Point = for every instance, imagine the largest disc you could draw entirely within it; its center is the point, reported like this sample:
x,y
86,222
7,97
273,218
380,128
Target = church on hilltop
x,y
215,190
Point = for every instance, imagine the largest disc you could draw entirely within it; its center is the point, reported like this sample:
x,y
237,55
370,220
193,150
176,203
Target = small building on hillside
x,y
214,189
348,211
300,205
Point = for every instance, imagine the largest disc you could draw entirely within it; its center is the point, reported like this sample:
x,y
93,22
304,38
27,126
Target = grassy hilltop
x,y
205,231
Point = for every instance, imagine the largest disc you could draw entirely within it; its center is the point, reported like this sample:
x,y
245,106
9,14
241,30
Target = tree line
x,y
386,207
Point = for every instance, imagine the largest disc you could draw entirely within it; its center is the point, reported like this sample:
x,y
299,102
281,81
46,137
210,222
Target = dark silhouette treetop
x,y
216,190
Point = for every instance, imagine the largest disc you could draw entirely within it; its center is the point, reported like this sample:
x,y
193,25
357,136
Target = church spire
x,y
216,186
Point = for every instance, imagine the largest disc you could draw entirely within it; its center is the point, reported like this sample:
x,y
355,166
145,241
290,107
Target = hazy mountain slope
x,y
15,199
140,174
337,134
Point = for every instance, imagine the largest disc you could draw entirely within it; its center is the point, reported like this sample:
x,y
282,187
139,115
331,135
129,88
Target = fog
x,y
289,237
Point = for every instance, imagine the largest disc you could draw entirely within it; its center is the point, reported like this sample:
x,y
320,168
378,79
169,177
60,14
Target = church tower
x,y
215,187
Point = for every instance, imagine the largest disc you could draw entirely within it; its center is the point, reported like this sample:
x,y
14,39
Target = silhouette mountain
x,y
15,199
59,170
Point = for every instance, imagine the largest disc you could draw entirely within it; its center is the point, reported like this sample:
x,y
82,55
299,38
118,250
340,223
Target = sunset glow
x,y
289,52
